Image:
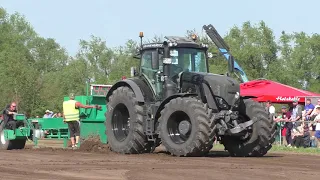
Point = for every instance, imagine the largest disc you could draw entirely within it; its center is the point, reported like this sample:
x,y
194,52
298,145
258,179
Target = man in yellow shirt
x,y
71,116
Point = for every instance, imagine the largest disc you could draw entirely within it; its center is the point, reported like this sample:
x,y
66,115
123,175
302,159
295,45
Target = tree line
x,y
37,72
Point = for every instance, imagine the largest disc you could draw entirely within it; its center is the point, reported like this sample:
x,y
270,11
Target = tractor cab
x,y
165,62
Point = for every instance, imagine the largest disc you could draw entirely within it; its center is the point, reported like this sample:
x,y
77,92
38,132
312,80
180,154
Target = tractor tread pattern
x,y
138,143
202,141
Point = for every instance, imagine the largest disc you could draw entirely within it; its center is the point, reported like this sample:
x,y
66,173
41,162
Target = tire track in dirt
x,y
78,165
99,163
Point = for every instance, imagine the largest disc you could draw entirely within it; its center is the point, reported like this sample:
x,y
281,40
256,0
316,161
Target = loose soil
x,y
95,161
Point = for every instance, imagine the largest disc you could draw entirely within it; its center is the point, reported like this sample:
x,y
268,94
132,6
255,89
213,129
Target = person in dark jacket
x,y
8,119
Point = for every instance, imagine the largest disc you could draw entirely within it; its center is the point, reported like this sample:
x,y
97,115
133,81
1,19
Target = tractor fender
x,y
168,99
128,83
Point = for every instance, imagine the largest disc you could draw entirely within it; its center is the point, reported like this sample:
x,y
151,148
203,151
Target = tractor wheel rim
x,y
179,127
121,122
2,138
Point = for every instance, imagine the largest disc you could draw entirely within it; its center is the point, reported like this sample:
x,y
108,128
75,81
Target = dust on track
x,y
95,161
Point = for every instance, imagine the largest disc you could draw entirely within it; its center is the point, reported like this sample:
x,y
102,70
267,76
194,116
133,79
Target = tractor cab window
x,y
149,73
146,65
188,59
146,59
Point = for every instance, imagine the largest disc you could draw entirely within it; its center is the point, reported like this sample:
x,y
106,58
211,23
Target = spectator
x,y
317,120
308,109
298,134
314,112
306,114
286,115
270,107
306,135
58,115
279,123
312,116
278,117
296,113
48,114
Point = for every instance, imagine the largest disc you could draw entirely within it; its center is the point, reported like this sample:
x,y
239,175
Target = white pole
x,y
280,134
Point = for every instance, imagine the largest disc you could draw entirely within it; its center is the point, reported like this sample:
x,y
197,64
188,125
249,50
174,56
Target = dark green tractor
x,y
173,100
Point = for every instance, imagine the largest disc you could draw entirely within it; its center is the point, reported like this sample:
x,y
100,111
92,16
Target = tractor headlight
x,y
236,101
222,103
237,96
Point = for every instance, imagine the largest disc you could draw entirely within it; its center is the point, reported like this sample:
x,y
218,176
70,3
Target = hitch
x,y
242,126
224,118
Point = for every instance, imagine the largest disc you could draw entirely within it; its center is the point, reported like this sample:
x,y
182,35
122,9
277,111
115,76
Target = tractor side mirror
x,y
155,60
231,64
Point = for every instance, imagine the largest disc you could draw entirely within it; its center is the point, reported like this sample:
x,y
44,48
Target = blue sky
x,y
117,21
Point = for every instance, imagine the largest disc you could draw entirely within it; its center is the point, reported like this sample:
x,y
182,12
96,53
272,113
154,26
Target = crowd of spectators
x,y
299,126
50,114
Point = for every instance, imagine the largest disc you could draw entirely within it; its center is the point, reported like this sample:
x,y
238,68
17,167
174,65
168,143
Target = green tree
x,y
254,47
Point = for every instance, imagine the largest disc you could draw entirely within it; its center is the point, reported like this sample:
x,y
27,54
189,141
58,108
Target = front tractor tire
x,y
124,123
260,136
185,127
6,144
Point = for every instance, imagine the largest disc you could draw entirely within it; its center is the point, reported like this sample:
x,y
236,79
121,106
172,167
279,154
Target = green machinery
x,y
91,123
15,138
53,128
92,120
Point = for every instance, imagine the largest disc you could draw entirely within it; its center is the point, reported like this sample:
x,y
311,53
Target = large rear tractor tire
x,y
185,127
260,135
124,123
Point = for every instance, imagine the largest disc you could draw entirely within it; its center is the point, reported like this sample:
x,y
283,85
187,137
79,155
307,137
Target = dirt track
x,y
61,164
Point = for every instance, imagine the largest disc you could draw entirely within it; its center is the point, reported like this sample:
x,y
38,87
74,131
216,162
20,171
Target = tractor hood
x,y
220,85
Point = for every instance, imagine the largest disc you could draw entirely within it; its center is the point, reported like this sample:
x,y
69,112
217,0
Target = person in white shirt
x,y
271,108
